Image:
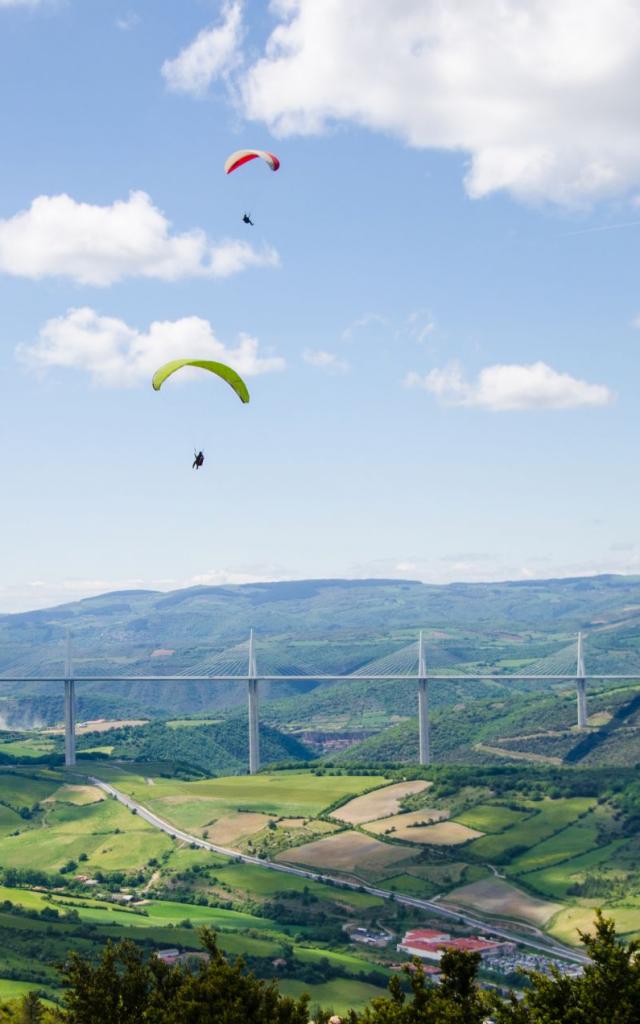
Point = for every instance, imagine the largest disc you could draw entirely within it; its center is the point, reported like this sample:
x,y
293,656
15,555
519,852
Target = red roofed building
x,y
430,945
425,935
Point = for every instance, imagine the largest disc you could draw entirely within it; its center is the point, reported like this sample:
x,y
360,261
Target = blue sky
x,y
435,309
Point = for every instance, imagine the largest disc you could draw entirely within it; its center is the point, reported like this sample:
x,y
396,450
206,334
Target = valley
x,y
528,853
521,827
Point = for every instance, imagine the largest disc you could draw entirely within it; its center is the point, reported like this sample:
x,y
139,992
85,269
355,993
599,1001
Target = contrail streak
x,y
604,227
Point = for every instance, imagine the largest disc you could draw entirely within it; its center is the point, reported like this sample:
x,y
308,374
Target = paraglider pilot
x,y
246,219
198,460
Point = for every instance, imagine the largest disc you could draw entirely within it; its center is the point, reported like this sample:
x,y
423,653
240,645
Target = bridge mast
x,y
423,705
581,686
69,707
254,734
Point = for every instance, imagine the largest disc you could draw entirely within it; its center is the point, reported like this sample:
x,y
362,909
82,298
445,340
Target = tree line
x,y
126,987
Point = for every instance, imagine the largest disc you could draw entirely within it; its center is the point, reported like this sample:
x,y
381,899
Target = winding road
x,y
546,946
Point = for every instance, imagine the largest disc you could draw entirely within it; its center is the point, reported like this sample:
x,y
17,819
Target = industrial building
x,y
430,945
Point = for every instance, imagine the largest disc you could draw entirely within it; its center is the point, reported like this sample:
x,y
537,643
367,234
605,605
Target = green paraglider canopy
x,y
221,369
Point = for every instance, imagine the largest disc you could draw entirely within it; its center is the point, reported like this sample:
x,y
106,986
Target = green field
x,y
24,897
548,818
354,964
566,924
111,837
412,885
491,818
556,879
232,943
262,882
568,843
10,820
29,747
18,788
195,805
162,913
289,793
340,994
10,989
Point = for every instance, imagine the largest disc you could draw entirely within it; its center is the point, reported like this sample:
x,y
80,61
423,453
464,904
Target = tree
x,y
124,989
115,991
31,1010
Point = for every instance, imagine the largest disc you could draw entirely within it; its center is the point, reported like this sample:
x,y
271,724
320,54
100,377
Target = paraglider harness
x,y
198,459
246,219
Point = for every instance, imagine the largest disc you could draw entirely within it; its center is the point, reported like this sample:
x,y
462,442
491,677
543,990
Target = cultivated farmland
x,y
351,852
443,833
498,898
379,804
408,825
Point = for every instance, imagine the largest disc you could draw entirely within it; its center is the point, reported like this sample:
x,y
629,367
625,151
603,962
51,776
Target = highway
x,y
548,947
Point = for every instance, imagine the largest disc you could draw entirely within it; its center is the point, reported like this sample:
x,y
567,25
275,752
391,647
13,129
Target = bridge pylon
x,y
423,705
69,707
581,686
254,724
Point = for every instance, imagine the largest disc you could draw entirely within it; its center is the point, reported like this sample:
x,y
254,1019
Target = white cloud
x,y
117,355
215,51
420,325
417,325
98,245
238,576
452,568
21,3
128,21
492,568
362,322
45,593
325,360
539,94
506,387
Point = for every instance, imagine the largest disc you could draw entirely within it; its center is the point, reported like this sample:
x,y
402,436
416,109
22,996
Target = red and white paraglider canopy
x,y
243,156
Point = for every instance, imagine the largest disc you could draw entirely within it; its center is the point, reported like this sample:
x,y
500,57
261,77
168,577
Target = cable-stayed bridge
x,y
239,663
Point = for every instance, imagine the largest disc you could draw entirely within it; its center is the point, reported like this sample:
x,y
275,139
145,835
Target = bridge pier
x,y
581,686
423,706
254,734
254,723
69,709
69,723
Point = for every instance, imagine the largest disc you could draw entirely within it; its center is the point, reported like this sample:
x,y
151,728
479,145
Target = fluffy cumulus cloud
x,y
507,387
322,360
115,354
214,52
539,94
98,245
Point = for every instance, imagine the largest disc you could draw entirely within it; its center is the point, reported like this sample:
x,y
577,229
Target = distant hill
x,y
220,748
515,726
309,626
